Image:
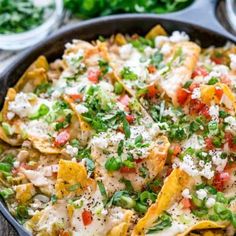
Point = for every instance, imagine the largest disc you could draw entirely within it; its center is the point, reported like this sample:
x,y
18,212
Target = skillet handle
x,y
201,13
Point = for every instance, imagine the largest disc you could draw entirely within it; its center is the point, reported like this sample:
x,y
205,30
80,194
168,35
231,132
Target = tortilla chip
x,y
157,157
44,146
155,31
85,129
14,140
24,192
122,228
171,190
71,177
120,39
205,224
11,94
228,98
36,74
182,72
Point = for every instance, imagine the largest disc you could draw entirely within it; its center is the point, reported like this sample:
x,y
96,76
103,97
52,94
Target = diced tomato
x,y
229,138
176,149
152,91
186,203
93,75
193,86
209,144
138,160
61,138
64,233
217,60
76,97
199,71
182,95
219,92
87,217
151,69
205,112
120,129
126,170
130,118
196,106
124,100
220,179
169,170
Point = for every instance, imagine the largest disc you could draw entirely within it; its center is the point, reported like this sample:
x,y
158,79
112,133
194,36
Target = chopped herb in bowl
x,y
20,16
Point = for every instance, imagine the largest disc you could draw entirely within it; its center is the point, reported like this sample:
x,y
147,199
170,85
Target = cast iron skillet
x,y
201,12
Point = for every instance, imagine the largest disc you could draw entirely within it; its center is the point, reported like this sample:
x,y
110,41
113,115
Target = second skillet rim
x,y
54,37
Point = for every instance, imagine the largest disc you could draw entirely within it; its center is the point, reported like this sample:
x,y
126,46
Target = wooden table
x,y
5,228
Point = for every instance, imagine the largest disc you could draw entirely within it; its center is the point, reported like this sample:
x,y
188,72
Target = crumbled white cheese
x,y
186,193
221,69
232,61
210,202
166,49
196,94
195,142
115,139
201,194
148,51
72,151
55,94
81,109
21,105
214,112
100,142
193,169
125,51
159,40
107,87
10,115
217,160
207,171
16,164
231,121
178,36
189,166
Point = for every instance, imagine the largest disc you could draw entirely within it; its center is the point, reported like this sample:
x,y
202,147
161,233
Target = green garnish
x,y
42,111
19,16
113,164
128,74
164,221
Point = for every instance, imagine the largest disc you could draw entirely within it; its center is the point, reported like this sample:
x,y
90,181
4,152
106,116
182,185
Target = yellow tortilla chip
x,y
171,190
71,177
205,224
155,31
84,126
14,140
24,192
122,228
35,75
11,94
120,39
44,146
228,98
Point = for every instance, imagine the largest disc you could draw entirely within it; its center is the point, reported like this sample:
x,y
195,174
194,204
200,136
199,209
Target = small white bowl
x,y
231,13
26,39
